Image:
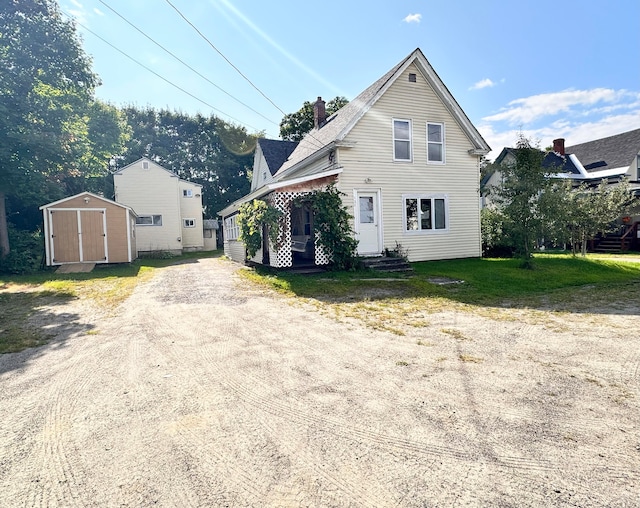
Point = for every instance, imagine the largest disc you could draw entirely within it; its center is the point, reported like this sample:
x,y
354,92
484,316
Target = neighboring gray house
x,y
610,158
406,158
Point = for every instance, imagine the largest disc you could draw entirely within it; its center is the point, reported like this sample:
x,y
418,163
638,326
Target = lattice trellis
x,y
283,256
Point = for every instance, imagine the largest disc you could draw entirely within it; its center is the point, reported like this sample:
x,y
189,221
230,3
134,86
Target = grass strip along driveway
x,y
559,283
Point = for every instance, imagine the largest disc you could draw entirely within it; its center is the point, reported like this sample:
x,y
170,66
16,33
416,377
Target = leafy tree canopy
x,y
294,126
202,149
53,132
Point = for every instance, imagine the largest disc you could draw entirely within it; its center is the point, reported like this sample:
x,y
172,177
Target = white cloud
x,y
77,4
528,109
98,11
485,83
573,132
413,18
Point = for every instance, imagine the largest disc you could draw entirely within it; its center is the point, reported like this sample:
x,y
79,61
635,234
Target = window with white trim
x,y
187,193
149,220
189,223
231,228
423,213
435,143
401,140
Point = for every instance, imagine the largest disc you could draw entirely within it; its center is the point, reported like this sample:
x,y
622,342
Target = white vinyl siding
x,y
368,165
191,210
150,189
435,143
401,140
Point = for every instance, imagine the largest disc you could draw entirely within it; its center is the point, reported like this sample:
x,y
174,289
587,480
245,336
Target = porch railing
x,y
629,237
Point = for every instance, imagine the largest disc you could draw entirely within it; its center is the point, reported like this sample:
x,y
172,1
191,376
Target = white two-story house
x,y
406,157
168,209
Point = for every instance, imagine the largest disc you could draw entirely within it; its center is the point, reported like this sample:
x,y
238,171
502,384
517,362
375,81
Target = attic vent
x,y
412,78
145,165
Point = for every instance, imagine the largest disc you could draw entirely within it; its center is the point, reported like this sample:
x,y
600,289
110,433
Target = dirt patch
x,y
202,390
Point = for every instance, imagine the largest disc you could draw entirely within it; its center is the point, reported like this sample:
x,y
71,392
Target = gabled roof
x,y
608,153
171,173
89,195
338,125
560,164
276,152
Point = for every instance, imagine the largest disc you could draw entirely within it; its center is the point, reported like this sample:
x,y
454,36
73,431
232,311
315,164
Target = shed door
x,y
92,236
78,236
64,236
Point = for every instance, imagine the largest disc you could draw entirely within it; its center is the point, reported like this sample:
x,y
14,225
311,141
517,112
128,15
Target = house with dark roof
x,y
611,158
269,157
405,157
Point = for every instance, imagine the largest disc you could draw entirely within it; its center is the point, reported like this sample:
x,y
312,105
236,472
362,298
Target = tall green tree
x,y
201,149
519,197
52,131
294,126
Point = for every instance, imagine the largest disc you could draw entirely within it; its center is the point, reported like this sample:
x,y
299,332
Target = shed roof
x,y
88,194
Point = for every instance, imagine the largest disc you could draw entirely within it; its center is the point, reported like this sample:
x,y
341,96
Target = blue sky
x,y
548,69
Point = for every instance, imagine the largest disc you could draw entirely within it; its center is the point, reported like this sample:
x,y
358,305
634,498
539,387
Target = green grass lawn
x,y
489,287
484,281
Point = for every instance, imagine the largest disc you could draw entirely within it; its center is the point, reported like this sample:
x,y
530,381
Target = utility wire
x,y
158,75
319,143
227,60
183,62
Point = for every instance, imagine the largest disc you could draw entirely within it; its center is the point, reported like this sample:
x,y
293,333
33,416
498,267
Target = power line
x,y
183,62
158,75
318,143
227,60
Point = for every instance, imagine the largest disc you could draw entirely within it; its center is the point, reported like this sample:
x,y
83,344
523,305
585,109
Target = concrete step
x,y
386,264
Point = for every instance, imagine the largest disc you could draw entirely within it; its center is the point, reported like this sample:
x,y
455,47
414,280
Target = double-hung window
x,y
435,143
425,213
401,140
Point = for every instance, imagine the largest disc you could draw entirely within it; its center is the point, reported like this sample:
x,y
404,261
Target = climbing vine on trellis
x,y
331,222
252,216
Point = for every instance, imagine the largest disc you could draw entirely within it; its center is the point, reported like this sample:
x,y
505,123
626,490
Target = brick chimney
x,y
558,146
319,113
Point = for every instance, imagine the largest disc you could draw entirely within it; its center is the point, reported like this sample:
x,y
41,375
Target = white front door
x,y
367,219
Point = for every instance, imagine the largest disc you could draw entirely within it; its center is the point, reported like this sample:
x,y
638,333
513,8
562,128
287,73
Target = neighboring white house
x,y
169,209
407,159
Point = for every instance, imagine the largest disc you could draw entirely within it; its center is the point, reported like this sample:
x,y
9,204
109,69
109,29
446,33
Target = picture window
x,y
149,220
425,213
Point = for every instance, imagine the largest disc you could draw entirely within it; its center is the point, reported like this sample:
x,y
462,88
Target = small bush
x,y
27,251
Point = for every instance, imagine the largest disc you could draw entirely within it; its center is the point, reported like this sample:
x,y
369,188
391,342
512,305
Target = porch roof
x,y
267,189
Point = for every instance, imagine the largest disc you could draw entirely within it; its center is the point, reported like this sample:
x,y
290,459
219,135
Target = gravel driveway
x,y
201,391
